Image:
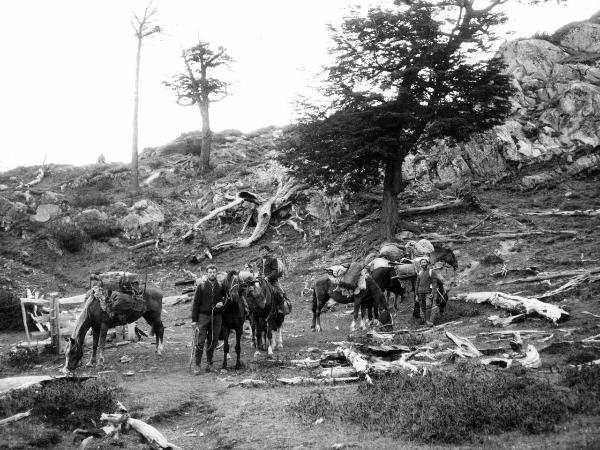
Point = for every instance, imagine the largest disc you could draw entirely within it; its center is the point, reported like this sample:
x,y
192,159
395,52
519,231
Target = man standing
x,y
269,268
206,317
426,289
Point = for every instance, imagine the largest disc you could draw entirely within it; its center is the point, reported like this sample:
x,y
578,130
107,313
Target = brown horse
x,y
324,289
99,321
234,317
265,316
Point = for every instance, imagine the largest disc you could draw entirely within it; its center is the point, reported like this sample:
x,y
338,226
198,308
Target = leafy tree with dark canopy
x,y
400,78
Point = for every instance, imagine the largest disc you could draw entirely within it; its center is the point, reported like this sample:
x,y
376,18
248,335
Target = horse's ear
x,y
67,338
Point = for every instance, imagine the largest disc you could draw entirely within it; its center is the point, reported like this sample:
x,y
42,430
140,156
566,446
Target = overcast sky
x,y
66,85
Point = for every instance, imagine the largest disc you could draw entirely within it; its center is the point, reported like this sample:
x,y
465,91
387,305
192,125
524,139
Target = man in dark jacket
x,y
206,316
269,268
427,289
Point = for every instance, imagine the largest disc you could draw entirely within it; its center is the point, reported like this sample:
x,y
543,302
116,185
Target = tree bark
x,y
135,183
392,186
206,135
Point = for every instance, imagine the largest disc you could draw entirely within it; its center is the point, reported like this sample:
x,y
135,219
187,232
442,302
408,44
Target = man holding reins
x,y
207,308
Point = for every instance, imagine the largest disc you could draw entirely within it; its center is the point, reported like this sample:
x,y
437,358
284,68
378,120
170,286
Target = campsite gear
x,y
120,307
352,276
405,271
421,248
391,251
126,282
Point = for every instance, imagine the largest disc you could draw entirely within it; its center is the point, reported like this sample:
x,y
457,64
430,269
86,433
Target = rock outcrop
x,y
556,112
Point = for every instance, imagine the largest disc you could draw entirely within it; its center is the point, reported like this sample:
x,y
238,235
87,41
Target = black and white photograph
x,y
328,224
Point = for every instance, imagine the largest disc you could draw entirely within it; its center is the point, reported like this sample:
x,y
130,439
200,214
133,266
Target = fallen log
x,y
313,381
217,211
571,284
556,212
358,361
144,244
285,193
306,362
465,346
15,417
498,321
337,372
248,383
517,305
151,434
466,202
524,271
438,238
550,276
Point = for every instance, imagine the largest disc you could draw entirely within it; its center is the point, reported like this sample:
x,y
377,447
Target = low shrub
x,y
447,407
69,404
585,387
491,260
68,235
23,358
91,198
10,311
100,230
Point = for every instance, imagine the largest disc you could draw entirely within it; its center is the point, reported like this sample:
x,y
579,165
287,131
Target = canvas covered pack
x,y
352,276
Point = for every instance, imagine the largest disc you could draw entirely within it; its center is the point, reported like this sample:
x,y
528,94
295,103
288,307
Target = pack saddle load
x,y
120,295
349,280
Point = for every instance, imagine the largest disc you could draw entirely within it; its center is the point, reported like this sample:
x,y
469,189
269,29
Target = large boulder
x,y
144,219
45,212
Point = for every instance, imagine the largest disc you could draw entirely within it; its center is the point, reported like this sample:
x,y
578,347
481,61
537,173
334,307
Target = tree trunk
x,y
392,186
206,136
135,183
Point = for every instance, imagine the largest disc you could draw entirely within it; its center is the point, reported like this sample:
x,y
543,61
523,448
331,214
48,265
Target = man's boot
x,y
435,314
428,308
209,360
417,310
198,361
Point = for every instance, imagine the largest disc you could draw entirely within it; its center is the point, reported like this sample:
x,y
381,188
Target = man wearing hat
x,y
426,288
269,269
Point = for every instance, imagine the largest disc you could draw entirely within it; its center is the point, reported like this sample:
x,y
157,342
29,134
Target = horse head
x,y
73,354
256,295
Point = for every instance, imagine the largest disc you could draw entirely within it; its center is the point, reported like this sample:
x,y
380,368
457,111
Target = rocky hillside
x,y
555,117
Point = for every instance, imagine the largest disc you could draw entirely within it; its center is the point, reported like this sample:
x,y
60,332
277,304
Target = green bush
x,y
447,407
68,235
69,404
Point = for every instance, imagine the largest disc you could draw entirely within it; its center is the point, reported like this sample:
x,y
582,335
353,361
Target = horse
x,y
265,315
324,289
99,321
388,282
234,317
387,279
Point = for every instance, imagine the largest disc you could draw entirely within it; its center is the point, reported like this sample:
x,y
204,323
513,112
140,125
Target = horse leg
x,y
270,341
95,336
226,331
238,346
357,301
279,345
155,322
102,342
365,311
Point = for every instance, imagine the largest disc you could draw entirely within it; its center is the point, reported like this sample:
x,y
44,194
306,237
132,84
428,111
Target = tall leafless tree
x,y
143,27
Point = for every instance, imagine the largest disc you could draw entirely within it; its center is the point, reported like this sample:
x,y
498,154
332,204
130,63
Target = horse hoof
x,y
256,354
239,366
279,347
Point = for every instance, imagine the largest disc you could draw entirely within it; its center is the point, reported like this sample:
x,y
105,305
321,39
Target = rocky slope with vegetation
x,y
556,115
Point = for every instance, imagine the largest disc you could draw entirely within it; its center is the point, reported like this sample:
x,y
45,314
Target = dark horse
x,y
99,321
324,289
265,315
234,317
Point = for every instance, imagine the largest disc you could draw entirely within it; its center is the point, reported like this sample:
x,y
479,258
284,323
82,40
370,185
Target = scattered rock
x,y
46,212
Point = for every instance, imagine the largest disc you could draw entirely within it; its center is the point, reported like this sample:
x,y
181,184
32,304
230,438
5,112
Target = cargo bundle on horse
x,y
398,275
343,286
116,299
